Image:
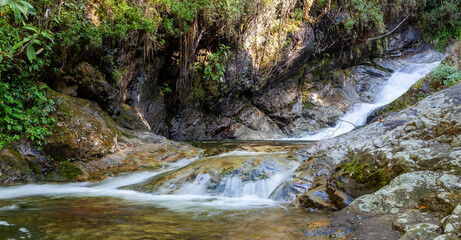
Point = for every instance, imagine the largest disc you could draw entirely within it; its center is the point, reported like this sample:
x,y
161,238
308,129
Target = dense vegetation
x,y
39,37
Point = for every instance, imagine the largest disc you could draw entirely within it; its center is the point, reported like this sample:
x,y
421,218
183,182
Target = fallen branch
x,y
387,34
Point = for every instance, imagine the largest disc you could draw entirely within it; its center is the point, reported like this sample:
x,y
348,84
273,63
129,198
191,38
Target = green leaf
x,y
30,8
23,9
1,58
42,97
18,45
31,53
36,53
31,28
3,2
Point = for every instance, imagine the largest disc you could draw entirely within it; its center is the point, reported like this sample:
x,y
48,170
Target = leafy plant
x,y
441,21
165,88
24,108
25,112
215,66
447,75
20,8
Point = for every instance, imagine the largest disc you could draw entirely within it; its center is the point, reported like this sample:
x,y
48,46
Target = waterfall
x,y
397,84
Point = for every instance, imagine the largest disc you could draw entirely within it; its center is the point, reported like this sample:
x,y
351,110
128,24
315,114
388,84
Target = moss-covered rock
x,y
82,130
86,81
13,167
142,151
373,170
129,117
68,170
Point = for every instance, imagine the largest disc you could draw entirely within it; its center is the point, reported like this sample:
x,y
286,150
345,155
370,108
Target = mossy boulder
x,y
143,151
82,130
13,167
374,170
86,81
129,117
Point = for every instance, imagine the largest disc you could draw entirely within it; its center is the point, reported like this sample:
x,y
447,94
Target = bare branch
x,y
387,34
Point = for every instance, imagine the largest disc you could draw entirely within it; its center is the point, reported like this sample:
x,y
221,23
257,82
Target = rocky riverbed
x,y
412,157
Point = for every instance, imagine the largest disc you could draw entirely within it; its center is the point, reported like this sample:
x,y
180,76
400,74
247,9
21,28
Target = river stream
x,y
231,199
229,194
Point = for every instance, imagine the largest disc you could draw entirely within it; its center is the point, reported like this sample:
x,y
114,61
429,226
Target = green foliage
x,y
85,29
24,111
165,88
24,107
365,16
215,66
20,8
447,75
226,13
442,21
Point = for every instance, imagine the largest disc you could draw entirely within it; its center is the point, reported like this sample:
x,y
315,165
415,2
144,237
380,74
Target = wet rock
x,y
193,124
423,231
316,198
406,190
230,174
403,40
366,227
143,92
131,118
252,124
282,102
368,81
449,236
407,219
337,197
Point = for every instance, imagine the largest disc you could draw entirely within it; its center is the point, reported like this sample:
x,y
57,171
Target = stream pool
x,y
208,209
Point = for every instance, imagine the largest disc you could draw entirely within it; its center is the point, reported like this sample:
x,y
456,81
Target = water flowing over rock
x,y
385,90
412,157
233,174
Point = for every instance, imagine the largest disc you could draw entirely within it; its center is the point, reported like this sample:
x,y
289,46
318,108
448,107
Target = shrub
x,y
24,107
447,75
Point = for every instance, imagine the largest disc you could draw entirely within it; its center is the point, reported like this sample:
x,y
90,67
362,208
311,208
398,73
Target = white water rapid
x,y
397,84
232,192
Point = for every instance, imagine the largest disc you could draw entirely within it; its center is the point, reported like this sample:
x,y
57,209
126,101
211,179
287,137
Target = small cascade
x,y
398,83
233,180
234,186
236,174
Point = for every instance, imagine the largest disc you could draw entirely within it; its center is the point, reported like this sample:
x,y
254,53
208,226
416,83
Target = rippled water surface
x,y
112,218
123,208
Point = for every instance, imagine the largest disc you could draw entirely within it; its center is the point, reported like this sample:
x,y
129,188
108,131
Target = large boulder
x,y
140,151
13,167
86,81
82,131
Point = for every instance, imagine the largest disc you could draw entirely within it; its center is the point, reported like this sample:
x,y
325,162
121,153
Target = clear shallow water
x,y
110,210
398,83
110,218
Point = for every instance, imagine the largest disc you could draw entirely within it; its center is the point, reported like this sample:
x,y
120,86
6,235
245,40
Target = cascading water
x,y
398,83
248,187
231,195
